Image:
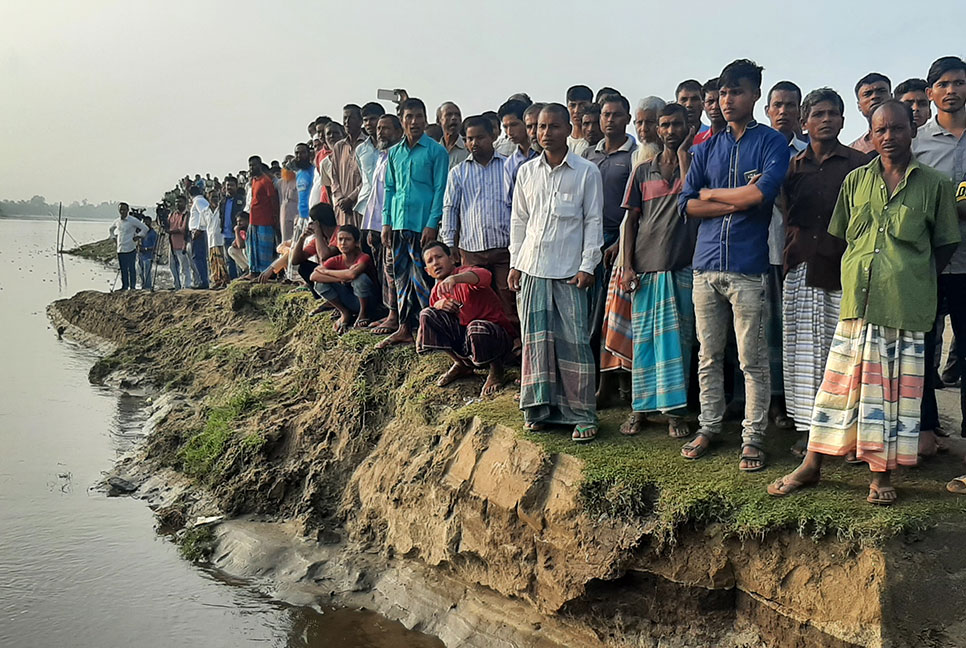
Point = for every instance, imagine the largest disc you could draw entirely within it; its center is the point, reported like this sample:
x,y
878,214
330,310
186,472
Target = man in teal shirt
x,y
412,209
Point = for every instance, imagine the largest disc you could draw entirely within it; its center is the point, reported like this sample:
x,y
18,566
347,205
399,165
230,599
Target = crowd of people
x,y
811,276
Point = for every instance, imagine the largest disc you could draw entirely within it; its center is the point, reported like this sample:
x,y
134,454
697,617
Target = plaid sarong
x,y
260,246
870,397
481,342
413,285
557,371
617,343
663,329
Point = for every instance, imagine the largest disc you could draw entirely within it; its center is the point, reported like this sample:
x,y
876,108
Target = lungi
x,y
217,268
409,274
809,318
557,366
481,342
663,330
260,246
617,344
870,397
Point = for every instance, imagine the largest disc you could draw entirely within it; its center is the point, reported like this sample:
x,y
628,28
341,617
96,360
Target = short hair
x,y
910,85
492,116
687,84
536,108
651,103
312,125
520,96
323,214
439,110
672,109
243,214
256,157
354,108
740,69
711,85
437,244
349,228
869,79
943,65
395,120
373,109
193,190
513,107
819,95
322,121
786,86
412,104
903,108
556,108
618,99
123,203
579,93
481,121
335,126
603,92
593,110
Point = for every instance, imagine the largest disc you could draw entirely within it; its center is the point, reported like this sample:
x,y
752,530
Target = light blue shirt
x,y
415,185
475,209
303,184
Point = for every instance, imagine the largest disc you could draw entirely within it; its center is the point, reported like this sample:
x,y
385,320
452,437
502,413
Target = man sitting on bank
x,y
347,280
465,319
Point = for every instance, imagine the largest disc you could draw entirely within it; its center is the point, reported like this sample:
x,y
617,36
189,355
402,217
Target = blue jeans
x,y
144,269
230,262
128,263
199,255
349,295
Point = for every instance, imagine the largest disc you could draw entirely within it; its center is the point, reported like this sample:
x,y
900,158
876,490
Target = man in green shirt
x,y
899,223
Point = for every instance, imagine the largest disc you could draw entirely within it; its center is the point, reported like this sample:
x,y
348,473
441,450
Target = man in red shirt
x,y
348,280
465,319
262,218
177,229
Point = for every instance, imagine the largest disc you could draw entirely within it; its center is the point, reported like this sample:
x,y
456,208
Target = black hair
x,y
254,157
711,85
579,93
302,144
351,229
869,79
593,110
193,190
817,96
243,214
605,92
123,203
735,71
354,108
322,121
437,244
687,84
943,65
373,109
910,85
323,214
558,109
336,125
481,121
786,86
672,109
536,108
412,104
493,117
513,107
618,99
395,120
895,103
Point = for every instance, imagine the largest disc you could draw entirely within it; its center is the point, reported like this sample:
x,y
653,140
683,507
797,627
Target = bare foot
x,y
801,477
401,336
457,371
386,325
494,380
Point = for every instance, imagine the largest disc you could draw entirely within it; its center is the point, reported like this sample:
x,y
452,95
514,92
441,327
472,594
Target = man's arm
x,y
450,226
593,210
389,190
943,255
764,188
519,215
440,171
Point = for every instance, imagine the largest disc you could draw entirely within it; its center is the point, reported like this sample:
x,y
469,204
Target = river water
x,y
82,570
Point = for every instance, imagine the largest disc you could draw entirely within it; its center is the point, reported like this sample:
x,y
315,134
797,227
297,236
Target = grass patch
x,y
197,544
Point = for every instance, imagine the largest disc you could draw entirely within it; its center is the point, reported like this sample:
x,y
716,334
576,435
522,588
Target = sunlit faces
x,y
692,102
919,102
738,102
553,128
824,121
614,118
712,109
414,122
387,134
949,91
333,134
892,131
871,96
645,125
672,129
479,142
439,265
783,111
515,129
576,108
352,121
590,127
450,118
346,243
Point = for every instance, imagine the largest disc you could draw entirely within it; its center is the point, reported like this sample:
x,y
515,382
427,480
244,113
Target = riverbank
x,y
270,419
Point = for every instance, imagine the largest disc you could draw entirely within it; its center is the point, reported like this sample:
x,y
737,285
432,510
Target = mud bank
x,y
345,475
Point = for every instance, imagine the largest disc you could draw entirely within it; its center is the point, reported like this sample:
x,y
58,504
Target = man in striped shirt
x,y
476,215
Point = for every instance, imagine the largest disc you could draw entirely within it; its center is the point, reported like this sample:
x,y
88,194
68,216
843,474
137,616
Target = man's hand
x,y
582,279
429,235
513,280
629,281
266,276
447,305
346,205
236,243
387,237
688,141
610,254
447,285
373,238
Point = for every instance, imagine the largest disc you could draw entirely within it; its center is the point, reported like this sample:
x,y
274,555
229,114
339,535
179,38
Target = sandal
x,y
584,433
699,450
362,323
957,486
852,459
677,428
632,426
744,466
785,486
876,496
534,426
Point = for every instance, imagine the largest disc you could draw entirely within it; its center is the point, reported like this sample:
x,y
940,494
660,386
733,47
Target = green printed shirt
x,y
888,269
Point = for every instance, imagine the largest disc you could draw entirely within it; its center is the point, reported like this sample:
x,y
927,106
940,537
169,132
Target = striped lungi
x,y
809,318
481,342
557,366
869,399
663,329
616,338
260,246
217,269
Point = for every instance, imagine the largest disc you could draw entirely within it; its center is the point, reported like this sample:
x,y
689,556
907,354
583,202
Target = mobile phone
x,y
388,95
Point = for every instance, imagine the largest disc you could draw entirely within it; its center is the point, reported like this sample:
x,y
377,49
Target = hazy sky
x,y
114,100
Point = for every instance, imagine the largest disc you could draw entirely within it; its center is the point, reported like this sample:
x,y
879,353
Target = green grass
x,y
197,544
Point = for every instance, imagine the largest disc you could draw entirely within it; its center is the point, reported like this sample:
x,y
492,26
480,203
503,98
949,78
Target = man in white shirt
x,y
198,229
556,234
124,229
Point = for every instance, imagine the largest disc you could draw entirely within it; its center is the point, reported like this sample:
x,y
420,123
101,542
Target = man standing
x,y
731,185
578,98
689,94
146,253
177,231
812,290
870,91
511,118
263,218
709,94
346,176
198,226
411,213
367,154
476,216
941,144
232,204
590,127
912,92
645,125
898,219
450,119
555,242
304,177
124,229
521,154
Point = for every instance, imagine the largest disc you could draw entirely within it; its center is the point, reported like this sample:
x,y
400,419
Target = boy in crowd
x,y
347,281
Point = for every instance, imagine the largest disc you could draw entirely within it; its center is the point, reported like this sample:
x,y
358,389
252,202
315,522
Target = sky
x,y
115,100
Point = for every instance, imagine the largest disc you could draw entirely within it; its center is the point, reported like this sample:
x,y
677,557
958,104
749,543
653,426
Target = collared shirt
x,y
198,220
475,210
615,168
213,228
556,223
458,152
940,149
148,243
372,219
303,185
415,184
264,209
665,241
176,230
737,242
504,145
864,143
366,155
776,228
577,145
809,196
228,224
125,229
512,166
346,177
888,269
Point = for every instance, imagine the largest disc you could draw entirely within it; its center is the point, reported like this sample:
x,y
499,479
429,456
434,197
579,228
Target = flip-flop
x,y
791,486
584,433
677,428
362,323
382,330
957,486
628,427
534,427
760,459
875,496
700,450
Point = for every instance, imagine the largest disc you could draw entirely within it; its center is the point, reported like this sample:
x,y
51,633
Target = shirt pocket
x,y
421,173
860,222
908,225
566,206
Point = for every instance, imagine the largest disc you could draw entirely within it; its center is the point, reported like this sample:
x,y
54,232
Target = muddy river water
x,y
77,568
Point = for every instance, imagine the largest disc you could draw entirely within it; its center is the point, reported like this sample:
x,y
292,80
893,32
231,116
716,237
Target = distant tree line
x,y
38,206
